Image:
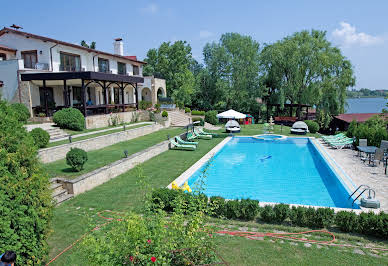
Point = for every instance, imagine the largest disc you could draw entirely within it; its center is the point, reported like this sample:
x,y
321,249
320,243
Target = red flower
x,y
153,259
131,258
149,241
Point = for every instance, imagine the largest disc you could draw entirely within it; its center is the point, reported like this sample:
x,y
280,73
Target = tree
x,y
305,68
173,62
91,46
230,78
25,197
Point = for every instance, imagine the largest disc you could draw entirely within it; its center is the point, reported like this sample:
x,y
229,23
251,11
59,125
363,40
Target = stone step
x,y
56,187
59,193
64,198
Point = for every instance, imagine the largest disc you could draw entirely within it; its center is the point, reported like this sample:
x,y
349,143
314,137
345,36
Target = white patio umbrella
x,y
231,114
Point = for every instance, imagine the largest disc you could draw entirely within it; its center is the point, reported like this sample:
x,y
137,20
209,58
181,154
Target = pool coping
x,y
339,172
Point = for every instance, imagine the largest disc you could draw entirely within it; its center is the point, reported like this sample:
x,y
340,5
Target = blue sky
x,y
359,28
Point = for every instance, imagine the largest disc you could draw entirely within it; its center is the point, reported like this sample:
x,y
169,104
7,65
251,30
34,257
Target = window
x,y
30,58
103,65
135,70
50,97
121,68
77,96
3,57
70,62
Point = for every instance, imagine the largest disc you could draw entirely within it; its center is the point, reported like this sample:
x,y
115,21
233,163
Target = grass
x,y
61,142
73,218
107,155
74,132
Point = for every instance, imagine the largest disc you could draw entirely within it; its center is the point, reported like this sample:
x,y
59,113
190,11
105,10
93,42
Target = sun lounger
x,y
200,130
177,146
202,136
190,136
342,144
181,141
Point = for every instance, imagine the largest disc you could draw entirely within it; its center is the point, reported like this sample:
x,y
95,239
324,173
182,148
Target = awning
x,y
231,114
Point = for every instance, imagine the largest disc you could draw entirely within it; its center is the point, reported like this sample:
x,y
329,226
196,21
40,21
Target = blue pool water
x,y
287,170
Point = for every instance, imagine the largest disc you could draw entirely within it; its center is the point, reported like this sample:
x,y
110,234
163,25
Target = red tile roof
x,y
358,117
46,39
131,57
5,48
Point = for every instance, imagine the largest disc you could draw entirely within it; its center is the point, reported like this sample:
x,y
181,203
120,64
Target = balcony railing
x,y
70,68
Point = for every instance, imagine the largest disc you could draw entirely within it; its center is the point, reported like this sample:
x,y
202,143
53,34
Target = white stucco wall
x,y
8,74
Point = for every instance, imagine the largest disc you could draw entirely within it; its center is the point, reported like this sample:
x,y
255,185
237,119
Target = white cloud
x,y
348,36
151,8
204,34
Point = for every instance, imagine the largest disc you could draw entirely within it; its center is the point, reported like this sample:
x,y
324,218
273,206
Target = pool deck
x,y
360,173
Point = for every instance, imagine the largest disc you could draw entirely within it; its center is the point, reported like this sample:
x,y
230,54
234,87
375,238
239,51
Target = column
x,y
45,98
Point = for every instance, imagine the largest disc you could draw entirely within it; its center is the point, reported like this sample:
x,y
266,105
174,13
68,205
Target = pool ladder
x,y
365,188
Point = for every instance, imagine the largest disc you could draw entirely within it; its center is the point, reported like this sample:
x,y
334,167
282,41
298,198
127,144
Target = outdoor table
x,y
369,150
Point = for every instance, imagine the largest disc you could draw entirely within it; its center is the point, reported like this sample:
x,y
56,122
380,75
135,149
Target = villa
x,y
47,75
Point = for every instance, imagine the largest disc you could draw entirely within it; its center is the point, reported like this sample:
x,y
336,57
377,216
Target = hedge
x,y
196,112
187,110
21,111
40,136
211,117
25,197
370,224
69,118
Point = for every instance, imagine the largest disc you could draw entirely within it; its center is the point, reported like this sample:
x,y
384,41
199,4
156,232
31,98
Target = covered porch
x,y
90,92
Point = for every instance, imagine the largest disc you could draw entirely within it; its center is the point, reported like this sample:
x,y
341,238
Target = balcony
x,y
70,68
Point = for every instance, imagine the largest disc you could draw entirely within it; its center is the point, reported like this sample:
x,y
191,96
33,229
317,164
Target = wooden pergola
x,y
290,106
105,80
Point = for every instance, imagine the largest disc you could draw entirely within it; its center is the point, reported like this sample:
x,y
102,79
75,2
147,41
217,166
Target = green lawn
x,y
107,155
73,218
74,132
57,143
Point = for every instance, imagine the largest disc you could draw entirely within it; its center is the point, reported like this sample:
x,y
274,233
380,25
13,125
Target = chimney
x,y
119,46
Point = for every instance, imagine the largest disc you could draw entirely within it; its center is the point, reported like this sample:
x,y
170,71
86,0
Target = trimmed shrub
x,y
202,122
164,114
233,210
69,118
282,212
196,112
157,107
298,216
25,197
21,111
76,158
313,126
144,105
211,117
187,110
40,136
219,206
249,209
346,221
163,198
267,214
322,217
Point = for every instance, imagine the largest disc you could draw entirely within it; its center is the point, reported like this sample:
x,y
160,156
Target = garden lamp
x,y
70,139
126,153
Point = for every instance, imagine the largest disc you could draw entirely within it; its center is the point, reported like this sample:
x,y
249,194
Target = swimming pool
x,y
287,170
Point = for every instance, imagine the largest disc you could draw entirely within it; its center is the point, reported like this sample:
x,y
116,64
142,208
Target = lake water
x,y
365,105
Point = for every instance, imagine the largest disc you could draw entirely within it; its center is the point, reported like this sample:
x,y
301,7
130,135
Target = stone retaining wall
x,y
105,120
52,154
97,177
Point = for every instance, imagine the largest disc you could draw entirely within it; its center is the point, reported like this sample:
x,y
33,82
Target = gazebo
x,y
231,114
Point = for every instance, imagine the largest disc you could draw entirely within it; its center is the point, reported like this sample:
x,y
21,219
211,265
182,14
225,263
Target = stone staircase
x,y
56,133
59,193
178,118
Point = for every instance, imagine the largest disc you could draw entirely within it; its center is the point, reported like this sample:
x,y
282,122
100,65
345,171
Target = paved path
x,y
102,130
361,173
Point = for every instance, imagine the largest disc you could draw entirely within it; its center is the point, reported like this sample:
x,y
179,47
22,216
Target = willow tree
x,y
230,77
305,68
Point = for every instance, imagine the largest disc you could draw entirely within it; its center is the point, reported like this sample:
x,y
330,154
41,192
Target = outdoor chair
x,y
384,146
177,146
378,156
181,141
362,142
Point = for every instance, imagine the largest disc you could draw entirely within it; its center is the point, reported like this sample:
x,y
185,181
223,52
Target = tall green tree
x,y
173,62
231,75
305,68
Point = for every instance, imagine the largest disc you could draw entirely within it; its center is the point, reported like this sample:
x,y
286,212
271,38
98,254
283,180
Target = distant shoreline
x,y
364,97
